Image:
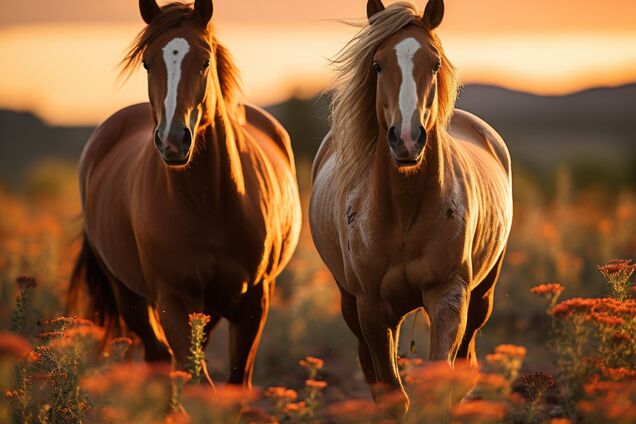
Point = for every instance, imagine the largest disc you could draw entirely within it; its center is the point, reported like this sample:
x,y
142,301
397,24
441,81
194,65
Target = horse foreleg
x,y
245,334
381,338
447,307
173,315
138,318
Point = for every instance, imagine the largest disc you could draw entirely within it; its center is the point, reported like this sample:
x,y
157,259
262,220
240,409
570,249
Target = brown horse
x,y
411,206
190,202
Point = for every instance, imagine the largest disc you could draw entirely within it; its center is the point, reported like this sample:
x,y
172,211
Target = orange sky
x,y
60,57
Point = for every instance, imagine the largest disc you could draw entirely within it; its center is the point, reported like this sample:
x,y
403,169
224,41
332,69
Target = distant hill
x,y
541,131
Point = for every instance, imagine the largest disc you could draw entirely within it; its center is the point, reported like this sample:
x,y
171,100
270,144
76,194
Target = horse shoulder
x,y
263,121
466,126
108,134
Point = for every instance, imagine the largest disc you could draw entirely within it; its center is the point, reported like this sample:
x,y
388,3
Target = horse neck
x,y
214,175
405,192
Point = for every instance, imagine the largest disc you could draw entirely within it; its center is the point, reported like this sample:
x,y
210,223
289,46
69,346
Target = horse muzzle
x,y
175,147
406,149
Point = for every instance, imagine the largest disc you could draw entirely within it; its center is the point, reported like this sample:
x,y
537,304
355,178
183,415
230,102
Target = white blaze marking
x,y
173,54
405,50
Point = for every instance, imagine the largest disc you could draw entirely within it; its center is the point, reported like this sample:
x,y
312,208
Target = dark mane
x,y
171,16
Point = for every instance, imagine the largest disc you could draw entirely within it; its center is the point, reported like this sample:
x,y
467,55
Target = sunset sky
x,y
59,58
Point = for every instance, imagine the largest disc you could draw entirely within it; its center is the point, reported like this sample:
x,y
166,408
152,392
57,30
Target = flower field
x,y
559,348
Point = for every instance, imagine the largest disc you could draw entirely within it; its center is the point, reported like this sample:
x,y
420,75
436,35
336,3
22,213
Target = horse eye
x,y
145,65
437,67
206,64
376,67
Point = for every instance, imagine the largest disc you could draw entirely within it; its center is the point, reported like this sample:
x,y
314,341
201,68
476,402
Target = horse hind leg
x,y
245,333
479,310
349,308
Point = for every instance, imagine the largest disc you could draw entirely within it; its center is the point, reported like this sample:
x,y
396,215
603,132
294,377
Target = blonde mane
x,y
353,115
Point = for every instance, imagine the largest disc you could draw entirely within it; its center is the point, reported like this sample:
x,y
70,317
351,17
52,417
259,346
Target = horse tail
x,y
88,274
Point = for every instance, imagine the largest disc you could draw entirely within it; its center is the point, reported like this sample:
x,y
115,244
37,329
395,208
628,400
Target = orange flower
x,y
316,384
479,411
353,408
513,351
410,362
548,290
180,377
281,392
198,318
572,306
312,362
295,407
605,319
619,373
492,381
622,268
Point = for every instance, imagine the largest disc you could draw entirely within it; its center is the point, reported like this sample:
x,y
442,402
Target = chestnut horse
x,y
190,202
411,205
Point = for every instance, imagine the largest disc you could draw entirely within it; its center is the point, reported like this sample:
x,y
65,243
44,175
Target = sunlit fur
x,y
353,107
397,239
160,241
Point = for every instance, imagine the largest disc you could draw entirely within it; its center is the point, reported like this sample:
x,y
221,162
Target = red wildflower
x,y
548,290
605,319
295,407
479,411
619,373
536,384
180,377
198,318
316,384
281,392
312,362
26,282
513,351
621,268
353,408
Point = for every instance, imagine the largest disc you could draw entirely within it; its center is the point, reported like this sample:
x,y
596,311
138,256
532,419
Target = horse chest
x,y
392,258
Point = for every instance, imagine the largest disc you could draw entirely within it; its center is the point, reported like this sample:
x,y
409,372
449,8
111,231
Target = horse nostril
x,y
187,138
157,139
393,136
421,138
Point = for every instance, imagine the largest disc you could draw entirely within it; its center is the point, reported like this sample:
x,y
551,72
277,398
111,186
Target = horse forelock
x,y
353,114
173,15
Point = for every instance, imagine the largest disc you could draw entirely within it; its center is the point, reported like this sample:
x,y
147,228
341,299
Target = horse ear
x,y
149,9
203,11
433,14
373,7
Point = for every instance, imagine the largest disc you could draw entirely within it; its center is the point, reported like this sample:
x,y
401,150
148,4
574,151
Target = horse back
x,y
321,155
262,121
468,127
